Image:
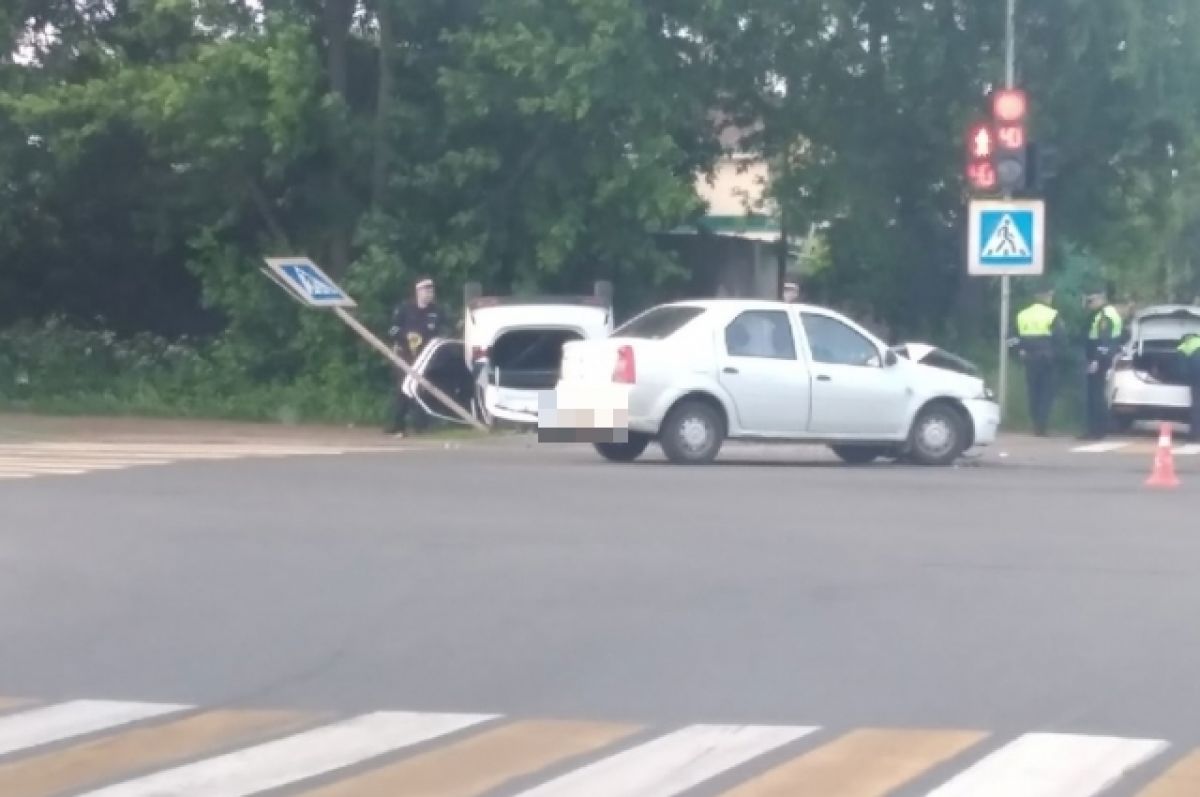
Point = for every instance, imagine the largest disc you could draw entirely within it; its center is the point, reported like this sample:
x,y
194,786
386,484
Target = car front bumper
x,y
985,416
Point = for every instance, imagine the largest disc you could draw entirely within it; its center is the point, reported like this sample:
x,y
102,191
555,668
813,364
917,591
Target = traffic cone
x,y
1163,474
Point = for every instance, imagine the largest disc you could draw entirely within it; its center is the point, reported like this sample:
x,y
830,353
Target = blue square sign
x,y
306,281
1007,238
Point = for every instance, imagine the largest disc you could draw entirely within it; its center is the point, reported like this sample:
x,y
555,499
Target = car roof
x,y
745,304
1166,309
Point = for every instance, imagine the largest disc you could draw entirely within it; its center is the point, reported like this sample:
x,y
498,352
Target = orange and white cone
x,y
1163,475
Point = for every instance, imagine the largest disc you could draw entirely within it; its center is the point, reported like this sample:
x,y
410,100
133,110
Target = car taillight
x,y
478,353
625,371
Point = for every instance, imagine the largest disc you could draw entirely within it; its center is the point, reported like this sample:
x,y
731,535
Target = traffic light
x,y
1009,161
981,173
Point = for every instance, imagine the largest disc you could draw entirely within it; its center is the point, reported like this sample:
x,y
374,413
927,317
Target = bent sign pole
x,y
304,281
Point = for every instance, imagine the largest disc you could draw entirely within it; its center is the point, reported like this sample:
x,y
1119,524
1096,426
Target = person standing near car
x,y
1189,351
1104,335
1040,332
414,324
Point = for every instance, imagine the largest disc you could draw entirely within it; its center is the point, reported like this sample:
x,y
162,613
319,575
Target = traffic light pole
x,y
1006,281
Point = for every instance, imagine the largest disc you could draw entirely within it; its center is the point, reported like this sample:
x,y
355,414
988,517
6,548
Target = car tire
x,y
692,433
859,455
937,438
624,452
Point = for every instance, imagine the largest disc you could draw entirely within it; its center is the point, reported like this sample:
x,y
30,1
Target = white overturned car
x,y
692,374
509,356
1147,382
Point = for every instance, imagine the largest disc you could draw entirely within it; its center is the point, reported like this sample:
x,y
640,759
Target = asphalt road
x,y
1031,589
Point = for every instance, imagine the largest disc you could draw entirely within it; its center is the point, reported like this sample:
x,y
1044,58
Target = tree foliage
x,y
152,150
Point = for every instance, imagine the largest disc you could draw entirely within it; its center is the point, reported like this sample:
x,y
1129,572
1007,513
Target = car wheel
x,y
859,455
692,433
937,437
624,452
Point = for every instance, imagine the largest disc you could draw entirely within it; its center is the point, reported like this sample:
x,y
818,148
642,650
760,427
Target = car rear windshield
x,y
659,323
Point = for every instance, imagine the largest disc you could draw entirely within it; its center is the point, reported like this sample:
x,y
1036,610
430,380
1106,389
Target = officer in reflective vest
x,y
1103,340
1189,350
1040,333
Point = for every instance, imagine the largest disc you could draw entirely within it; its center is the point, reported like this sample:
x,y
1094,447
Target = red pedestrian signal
x,y
982,176
981,145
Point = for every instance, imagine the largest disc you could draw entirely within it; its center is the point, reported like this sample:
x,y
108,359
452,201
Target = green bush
x,y
57,368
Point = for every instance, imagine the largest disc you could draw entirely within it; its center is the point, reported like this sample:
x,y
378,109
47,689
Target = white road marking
x,y
1052,765
12,464
1189,450
670,764
1100,448
22,460
76,718
295,758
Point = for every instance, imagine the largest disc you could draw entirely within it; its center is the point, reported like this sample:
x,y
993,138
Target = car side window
x,y
834,343
761,333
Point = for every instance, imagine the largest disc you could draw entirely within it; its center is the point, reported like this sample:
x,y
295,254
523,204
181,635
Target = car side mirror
x,y
890,359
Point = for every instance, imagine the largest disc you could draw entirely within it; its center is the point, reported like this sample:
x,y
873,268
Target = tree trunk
x,y
337,18
383,104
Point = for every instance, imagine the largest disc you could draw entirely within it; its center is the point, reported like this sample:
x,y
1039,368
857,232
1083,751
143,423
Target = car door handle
x,y
824,378
729,370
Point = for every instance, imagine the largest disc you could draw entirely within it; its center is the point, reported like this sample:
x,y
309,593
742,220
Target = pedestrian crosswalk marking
x,y
68,720
1099,448
28,460
1135,447
1052,765
671,764
1181,780
155,745
482,763
865,763
103,748
296,758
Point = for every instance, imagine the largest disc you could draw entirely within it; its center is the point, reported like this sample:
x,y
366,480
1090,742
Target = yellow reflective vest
x,y
1036,321
1114,318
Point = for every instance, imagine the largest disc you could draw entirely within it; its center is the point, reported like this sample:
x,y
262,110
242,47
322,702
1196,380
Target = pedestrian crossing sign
x,y
305,280
1007,237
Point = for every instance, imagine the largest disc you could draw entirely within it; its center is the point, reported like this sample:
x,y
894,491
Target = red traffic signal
x,y
1008,106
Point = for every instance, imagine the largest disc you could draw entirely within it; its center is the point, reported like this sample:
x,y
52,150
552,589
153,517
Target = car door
x,y
855,393
759,367
444,364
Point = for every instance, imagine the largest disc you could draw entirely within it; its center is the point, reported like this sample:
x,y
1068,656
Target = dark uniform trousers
x,y
1040,385
402,405
1192,366
1097,403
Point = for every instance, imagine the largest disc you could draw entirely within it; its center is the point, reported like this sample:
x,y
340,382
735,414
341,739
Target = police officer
x,y
1041,335
1189,350
1104,335
414,324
